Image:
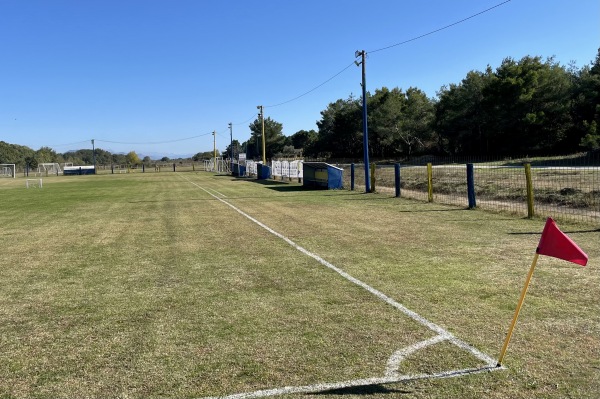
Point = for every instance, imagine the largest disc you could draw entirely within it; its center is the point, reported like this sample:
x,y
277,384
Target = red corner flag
x,y
555,243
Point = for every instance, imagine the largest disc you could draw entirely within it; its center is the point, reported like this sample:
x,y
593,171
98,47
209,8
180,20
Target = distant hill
x,y
159,155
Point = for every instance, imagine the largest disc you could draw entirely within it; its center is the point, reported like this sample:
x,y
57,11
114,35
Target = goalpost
x,y
49,168
8,170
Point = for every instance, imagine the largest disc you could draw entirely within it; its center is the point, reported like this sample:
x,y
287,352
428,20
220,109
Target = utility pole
x,y
262,118
231,144
363,54
94,155
215,148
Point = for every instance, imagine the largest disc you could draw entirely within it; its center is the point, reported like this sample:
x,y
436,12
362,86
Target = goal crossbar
x,y
8,170
49,168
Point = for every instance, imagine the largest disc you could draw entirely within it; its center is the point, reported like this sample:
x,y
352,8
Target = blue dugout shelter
x,y
322,175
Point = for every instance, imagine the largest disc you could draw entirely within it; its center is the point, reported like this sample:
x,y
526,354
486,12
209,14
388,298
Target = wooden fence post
x,y
397,178
429,182
373,166
530,211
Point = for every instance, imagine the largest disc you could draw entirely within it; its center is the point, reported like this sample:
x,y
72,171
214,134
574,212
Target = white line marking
x,y
221,194
316,388
398,357
442,333
212,189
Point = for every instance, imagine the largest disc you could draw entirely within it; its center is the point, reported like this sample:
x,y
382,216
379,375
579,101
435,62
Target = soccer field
x,y
172,285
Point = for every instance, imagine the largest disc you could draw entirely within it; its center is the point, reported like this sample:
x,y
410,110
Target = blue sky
x,y
144,75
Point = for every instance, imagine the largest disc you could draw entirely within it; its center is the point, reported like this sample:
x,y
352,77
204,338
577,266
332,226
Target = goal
x,y
50,168
8,170
35,183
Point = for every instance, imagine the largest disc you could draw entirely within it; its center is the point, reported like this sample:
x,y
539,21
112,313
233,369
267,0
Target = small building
x,y
322,175
263,171
238,170
79,170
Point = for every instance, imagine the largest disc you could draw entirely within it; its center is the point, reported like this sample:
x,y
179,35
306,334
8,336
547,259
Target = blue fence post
x,y
352,176
397,178
471,186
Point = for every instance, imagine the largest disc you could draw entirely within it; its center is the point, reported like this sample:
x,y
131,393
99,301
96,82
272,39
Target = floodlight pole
x,y
231,144
262,118
94,155
363,54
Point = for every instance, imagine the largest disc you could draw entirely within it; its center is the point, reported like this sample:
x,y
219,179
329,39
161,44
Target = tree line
x,y
24,156
529,106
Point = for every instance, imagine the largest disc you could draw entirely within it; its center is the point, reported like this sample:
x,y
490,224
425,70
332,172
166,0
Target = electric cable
x,y
220,134
311,90
243,123
68,144
153,142
440,29
307,92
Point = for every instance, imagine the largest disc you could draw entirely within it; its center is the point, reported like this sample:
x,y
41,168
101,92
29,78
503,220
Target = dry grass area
x,y
146,286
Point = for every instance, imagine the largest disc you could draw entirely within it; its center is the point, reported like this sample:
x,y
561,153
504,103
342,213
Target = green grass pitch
x,y
163,285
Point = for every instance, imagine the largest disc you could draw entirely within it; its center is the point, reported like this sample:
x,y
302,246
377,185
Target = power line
x,y
388,47
68,144
243,123
220,134
440,29
154,142
311,90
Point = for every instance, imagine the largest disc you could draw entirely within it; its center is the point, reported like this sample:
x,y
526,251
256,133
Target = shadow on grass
x,y
171,200
362,390
250,197
566,232
362,196
289,188
433,210
264,182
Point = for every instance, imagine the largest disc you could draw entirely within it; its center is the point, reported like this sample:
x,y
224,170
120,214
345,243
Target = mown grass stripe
x,y
443,334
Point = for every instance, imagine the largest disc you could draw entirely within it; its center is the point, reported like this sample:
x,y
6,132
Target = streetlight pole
x,y
262,118
363,54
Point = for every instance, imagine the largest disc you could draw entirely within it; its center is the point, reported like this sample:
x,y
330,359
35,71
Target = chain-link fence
x,y
562,188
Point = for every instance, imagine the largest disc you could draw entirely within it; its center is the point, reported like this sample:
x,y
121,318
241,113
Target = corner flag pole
x,y
556,244
517,310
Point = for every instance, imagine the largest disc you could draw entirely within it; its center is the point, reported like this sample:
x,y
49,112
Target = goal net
x,y
49,168
8,170
33,183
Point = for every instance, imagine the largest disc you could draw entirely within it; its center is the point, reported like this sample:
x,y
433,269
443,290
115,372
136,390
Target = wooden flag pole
x,y
517,310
